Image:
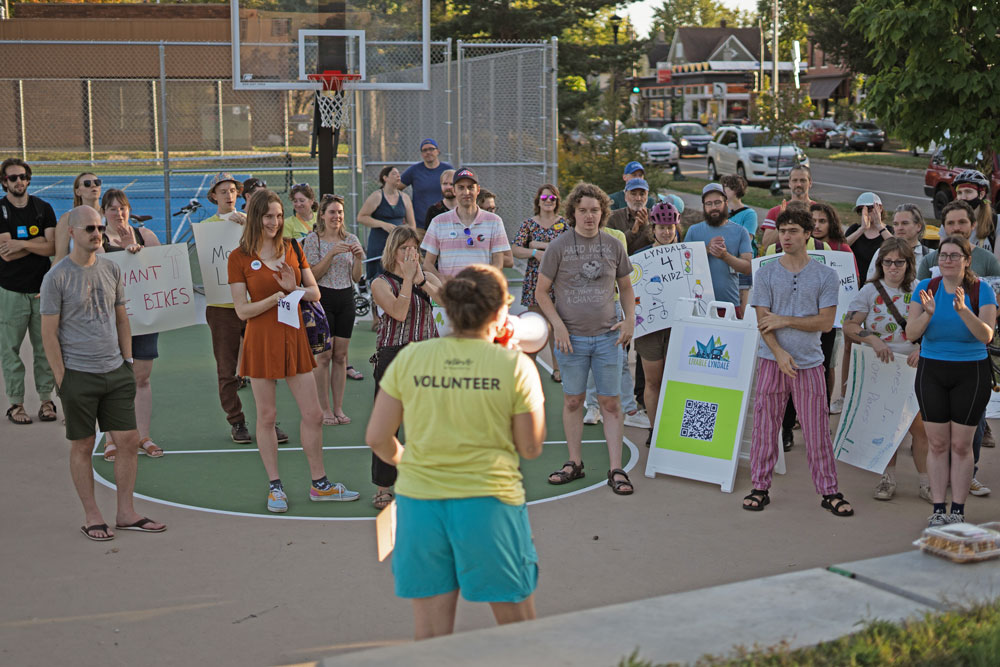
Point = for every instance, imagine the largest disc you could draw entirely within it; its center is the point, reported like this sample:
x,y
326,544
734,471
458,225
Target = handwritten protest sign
x,y
841,262
664,274
158,291
879,407
215,240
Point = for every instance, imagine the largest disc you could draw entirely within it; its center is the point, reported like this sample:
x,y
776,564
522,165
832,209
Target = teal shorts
x,y
478,545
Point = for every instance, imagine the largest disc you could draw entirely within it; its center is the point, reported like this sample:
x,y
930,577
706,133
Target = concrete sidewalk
x,y
800,608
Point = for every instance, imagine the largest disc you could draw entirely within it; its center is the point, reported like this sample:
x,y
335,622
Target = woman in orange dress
x,y
268,267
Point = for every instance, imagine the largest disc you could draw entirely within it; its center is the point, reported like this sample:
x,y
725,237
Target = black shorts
x,y
339,307
953,391
144,346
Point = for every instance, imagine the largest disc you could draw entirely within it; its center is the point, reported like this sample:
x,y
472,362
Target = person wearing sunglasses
x,y
472,409
955,315
86,191
27,240
879,308
466,235
88,343
250,186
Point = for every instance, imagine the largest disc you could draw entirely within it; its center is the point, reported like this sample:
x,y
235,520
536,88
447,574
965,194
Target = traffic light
x,y
635,90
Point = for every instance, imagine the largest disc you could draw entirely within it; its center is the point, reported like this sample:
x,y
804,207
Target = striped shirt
x,y
447,238
419,322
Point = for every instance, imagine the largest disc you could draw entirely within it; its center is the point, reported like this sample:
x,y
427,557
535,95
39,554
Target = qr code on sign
x,y
699,420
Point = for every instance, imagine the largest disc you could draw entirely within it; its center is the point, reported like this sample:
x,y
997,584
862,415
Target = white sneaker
x,y
639,419
925,492
593,416
977,488
837,406
886,488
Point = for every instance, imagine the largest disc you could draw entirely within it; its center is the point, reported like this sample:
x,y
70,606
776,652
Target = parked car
x,y
691,138
861,134
939,176
813,131
748,151
657,147
598,129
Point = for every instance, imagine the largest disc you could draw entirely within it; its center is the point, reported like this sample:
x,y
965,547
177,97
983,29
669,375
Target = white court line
x,y
851,187
46,187
126,186
187,218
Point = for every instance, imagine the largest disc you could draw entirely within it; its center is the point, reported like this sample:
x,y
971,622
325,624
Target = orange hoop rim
x,y
333,79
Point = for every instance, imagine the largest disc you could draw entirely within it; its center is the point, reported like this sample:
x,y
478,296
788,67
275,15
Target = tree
x,y
674,14
935,64
792,26
844,44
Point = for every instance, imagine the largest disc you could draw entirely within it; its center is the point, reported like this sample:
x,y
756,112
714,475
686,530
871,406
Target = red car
x,y
814,131
939,176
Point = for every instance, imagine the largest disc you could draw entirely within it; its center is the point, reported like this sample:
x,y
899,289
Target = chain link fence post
x,y
166,143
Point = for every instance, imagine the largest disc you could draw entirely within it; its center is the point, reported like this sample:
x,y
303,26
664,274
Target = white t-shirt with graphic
x,y
879,320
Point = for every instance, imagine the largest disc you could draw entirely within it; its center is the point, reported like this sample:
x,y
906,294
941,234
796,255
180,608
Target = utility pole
x,y
774,54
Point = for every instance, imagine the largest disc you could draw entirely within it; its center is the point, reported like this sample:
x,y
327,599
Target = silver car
x,y
657,147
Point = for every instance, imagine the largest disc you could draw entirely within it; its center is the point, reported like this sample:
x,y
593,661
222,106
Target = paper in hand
x,y
288,308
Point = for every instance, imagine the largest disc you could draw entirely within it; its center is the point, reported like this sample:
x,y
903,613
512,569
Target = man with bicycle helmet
x,y
972,187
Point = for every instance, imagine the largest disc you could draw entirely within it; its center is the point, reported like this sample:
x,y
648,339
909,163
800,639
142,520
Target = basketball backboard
x,y
278,43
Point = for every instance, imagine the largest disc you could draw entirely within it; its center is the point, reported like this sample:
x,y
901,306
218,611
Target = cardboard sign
x,y
663,275
215,241
159,295
703,399
879,407
841,262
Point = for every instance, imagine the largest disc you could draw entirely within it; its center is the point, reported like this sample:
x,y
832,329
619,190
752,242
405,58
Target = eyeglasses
x,y
714,203
90,229
468,237
950,256
547,197
898,263
13,178
88,183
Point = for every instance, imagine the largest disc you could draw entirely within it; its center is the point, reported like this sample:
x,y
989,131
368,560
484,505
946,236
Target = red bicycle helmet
x,y
664,213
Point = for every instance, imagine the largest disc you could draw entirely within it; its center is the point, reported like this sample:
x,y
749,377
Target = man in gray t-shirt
x,y
795,299
88,343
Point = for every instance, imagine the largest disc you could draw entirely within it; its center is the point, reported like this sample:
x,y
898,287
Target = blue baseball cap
x,y
634,166
637,184
428,141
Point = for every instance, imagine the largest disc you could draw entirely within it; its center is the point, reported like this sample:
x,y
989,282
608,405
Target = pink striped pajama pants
x,y
808,392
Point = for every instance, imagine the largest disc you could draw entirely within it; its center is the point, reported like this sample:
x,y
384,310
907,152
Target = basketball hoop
x,y
331,100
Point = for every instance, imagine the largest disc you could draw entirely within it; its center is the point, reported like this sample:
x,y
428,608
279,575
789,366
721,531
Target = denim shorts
x,y
481,546
600,354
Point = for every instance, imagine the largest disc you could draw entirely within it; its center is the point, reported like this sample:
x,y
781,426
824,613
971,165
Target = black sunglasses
x,y
13,178
87,183
90,229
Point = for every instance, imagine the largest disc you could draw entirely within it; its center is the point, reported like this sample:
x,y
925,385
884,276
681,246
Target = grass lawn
x,y
969,637
872,158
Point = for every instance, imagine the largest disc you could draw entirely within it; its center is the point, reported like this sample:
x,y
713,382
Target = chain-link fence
x,y
159,118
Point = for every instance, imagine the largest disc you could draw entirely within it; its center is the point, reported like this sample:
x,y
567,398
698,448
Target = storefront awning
x,y
822,89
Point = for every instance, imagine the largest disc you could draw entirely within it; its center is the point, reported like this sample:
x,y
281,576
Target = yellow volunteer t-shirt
x,y
458,397
218,218
295,228
620,235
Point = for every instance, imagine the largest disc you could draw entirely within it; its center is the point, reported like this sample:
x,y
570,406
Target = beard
x,y
717,218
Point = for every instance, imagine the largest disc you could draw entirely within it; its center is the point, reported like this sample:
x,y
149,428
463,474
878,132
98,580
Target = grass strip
x,y
870,158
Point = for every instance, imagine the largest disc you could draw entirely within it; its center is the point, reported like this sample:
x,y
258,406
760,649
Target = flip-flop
x,y
150,448
354,373
109,452
139,526
331,421
344,420
86,530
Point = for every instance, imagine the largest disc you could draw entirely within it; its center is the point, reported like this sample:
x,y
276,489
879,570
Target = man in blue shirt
x,y
425,177
727,243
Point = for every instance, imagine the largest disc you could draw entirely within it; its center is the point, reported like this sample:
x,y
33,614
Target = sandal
x,y
331,421
17,415
759,498
47,412
616,485
354,373
576,472
90,531
382,499
557,376
150,448
344,420
109,452
835,503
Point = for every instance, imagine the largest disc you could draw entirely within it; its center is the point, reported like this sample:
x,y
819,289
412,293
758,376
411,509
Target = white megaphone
x,y
531,332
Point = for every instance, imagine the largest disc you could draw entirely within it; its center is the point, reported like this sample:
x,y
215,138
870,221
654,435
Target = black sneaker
x,y
240,434
282,436
787,440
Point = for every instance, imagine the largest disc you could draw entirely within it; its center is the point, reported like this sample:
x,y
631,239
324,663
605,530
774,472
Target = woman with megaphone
x,y
472,408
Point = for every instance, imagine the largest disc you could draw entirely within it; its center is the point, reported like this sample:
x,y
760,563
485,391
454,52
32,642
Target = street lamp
x,y
616,22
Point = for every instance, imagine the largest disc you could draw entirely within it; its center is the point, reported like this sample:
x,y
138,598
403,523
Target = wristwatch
x,y
421,283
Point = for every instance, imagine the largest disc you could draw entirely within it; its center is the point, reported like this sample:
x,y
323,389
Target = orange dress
x,y
271,350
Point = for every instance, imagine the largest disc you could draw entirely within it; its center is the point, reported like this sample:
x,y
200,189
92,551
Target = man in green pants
x,y
27,240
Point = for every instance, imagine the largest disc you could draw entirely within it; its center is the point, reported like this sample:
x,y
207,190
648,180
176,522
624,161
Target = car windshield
x,y
687,130
652,135
866,126
826,124
753,139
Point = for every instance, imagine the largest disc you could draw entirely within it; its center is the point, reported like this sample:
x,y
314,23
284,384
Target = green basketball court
x,y
204,470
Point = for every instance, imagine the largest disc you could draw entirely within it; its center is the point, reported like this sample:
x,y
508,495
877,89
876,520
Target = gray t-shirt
x,y
800,294
583,273
85,298
984,264
725,282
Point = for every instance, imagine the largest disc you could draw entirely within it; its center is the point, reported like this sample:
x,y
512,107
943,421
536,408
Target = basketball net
x,y
332,99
